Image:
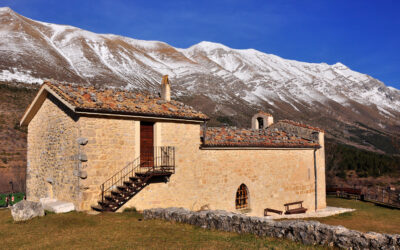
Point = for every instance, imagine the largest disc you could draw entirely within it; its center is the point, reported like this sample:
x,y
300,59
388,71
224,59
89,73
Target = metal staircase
x,y
130,180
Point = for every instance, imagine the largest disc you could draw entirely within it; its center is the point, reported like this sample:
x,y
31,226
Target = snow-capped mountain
x,y
225,83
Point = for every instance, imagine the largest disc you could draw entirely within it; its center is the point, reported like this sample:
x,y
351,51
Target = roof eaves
x,y
217,145
136,114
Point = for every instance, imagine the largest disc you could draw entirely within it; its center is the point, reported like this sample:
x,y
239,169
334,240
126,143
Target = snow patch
x,y
19,76
5,9
208,46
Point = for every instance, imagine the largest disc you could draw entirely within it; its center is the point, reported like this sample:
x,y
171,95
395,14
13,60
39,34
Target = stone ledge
x,y
307,232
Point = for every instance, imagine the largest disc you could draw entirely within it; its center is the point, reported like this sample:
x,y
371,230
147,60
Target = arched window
x,y
242,197
260,121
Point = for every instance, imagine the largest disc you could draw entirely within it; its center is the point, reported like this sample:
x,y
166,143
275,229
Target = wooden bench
x,y
271,211
299,210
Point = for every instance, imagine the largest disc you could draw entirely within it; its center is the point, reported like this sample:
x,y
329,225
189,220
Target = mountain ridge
x,y
227,84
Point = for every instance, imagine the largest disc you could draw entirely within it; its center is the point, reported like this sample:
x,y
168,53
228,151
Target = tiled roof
x,y
234,137
108,100
298,124
263,113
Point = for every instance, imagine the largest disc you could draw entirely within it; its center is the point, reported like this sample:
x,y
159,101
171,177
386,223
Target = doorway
x,y
147,144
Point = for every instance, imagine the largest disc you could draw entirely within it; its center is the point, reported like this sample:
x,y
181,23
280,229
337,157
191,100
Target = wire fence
x,y
384,196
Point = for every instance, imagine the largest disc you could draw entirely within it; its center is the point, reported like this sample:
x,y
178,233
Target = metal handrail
x,y
161,160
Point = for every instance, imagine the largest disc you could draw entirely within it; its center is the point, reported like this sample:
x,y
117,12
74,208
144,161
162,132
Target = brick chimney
x,y
165,89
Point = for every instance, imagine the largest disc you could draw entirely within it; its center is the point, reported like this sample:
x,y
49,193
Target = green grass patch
x,y
367,217
124,230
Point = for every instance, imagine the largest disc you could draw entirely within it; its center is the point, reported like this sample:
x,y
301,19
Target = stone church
x,y
110,149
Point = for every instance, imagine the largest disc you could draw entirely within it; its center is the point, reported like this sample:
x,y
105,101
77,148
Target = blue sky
x,y
362,34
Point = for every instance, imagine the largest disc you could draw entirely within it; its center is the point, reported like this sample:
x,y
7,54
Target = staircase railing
x,y
162,159
158,162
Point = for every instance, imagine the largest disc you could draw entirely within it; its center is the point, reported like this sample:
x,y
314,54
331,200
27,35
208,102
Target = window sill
x,y
243,210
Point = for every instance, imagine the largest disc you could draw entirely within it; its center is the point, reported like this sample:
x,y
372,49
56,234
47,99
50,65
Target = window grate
x,y
242,200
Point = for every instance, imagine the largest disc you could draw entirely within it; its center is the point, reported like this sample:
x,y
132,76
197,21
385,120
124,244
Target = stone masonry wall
x,y
307,232
52,153
182,189
69,157
273,178
320,160
110,147
210,178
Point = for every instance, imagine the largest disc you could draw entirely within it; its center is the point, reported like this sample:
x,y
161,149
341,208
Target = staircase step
x,y
123,188
109,198
128,183
109,204
123,193
116,193
104,204
134,178
98,208
113,198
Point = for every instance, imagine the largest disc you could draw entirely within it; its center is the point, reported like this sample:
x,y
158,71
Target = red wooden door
x,y
146,144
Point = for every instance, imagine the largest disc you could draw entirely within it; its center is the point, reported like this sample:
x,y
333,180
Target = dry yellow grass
x,y
120,231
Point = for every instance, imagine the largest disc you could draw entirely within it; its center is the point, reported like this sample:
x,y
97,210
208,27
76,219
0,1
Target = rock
x,y
120,98
93,97
57,206
26,210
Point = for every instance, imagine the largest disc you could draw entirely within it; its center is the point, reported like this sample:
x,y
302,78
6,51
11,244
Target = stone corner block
x,y
57,206
80,174
83,157
82,141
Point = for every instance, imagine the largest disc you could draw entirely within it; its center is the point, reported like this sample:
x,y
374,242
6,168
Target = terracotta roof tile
x,y
234,137
302,125
263,113
113,100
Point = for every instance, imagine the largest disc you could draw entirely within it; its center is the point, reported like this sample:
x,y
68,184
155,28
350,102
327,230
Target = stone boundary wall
x,y
307,232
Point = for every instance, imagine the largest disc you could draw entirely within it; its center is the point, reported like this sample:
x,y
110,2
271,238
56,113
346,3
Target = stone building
x,y
111,149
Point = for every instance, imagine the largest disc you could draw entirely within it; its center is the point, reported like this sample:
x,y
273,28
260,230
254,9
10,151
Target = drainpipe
x,y
315,180
204,132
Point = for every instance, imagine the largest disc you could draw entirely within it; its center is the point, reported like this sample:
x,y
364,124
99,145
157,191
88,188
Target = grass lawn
x,y
122,230
367,217
128,230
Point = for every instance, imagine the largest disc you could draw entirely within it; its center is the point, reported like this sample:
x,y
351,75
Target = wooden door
x,y
146,144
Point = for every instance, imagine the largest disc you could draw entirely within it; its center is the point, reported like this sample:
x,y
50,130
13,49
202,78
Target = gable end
x,y
37,103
